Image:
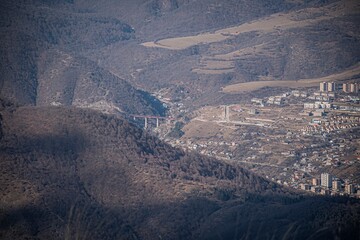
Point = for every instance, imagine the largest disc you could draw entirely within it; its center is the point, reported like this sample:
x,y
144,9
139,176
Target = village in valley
x,y
307,138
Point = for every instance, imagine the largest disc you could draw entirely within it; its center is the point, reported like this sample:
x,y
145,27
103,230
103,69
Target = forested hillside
x,y
41,61
284,40
69,172
72,71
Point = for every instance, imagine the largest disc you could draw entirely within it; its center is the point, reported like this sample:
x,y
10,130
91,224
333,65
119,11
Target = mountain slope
x,y
169,18
205,50
209,44
41,62
71,172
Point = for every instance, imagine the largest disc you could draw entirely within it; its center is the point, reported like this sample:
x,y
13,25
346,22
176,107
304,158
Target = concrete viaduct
x,y
147,117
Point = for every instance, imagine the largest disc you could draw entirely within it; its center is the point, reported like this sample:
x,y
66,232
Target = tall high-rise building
x,y
336,185
323,86
349,188
350,87
315,181
331,86
326,180
346,87
328,87
354,87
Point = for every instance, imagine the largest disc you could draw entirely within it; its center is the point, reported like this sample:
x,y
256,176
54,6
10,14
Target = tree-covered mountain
x,y
285,40
76,173
68,171
41,64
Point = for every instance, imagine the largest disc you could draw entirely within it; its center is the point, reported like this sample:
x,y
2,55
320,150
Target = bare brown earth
x,y
69,172
225,63
275,22
301,83
242,42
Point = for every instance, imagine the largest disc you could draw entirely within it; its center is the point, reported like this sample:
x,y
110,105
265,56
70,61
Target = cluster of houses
x,y
330,185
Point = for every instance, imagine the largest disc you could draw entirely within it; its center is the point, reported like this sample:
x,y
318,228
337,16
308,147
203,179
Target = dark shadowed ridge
x,y
69,172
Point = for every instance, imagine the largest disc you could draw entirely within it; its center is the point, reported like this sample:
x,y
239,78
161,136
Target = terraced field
x,y
252,86
220,63
275,22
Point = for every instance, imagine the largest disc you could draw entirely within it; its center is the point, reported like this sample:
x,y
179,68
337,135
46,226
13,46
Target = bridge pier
x,y
157,118
227,113
146,123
